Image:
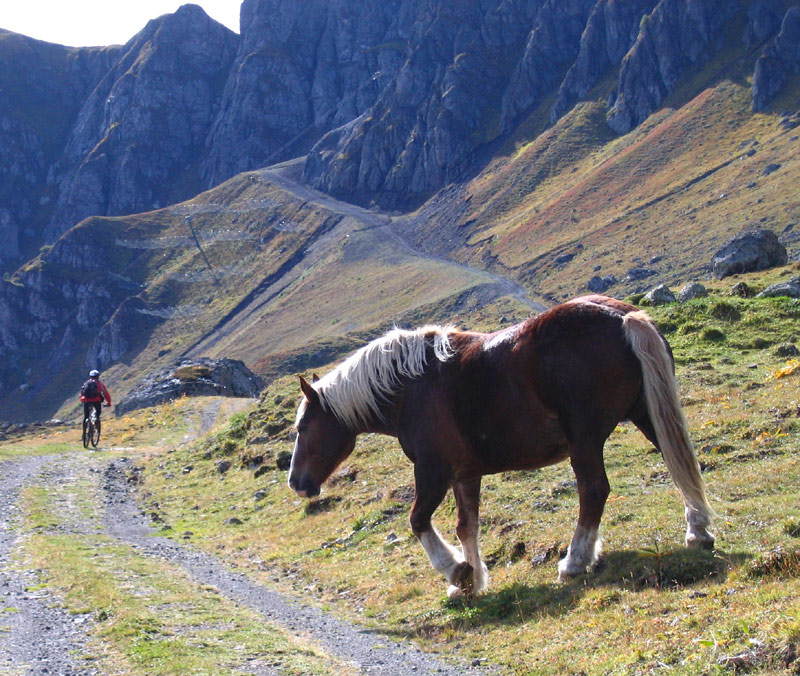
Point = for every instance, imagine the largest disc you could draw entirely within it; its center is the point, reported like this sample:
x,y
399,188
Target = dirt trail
x,y
37,637
286,176
373,653
40,638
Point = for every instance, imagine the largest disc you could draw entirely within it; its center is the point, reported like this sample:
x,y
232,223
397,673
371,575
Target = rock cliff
x,y
779,58
475,73
392,100
146,122
397,97
42,88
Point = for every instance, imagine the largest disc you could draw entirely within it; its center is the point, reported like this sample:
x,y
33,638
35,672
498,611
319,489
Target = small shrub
x,y
712,335
635,299
778,562
726,312
791,527
688,328
238,426
667,327
187,374
228,446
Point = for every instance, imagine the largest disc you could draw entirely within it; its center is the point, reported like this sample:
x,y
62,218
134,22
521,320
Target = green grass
x,y
651,602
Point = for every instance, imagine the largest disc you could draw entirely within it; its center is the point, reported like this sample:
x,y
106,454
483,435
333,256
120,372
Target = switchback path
x,y
284,176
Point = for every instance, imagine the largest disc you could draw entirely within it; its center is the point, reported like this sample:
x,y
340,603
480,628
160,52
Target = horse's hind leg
x,y
467,496
431,487
697,522
593,489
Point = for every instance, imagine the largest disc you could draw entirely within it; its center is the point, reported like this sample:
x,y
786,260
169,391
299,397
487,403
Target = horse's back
x,y
578,359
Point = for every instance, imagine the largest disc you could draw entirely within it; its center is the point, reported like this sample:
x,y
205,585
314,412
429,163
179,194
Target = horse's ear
x,y
309,392
314,377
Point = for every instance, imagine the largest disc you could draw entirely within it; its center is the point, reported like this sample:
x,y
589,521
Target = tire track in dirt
x,y
39,638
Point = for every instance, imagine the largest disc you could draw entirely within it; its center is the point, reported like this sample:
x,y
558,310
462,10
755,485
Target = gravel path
x,y
38,638
371,652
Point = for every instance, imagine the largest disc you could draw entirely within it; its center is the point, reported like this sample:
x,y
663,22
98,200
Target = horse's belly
x,y
515,448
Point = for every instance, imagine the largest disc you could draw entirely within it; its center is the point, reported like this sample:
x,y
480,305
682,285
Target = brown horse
x,y
465,404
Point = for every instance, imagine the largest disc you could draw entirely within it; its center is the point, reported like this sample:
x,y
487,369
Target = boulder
x,y
750,251
599,284
660,295
196,377
789,288
637,274
692,290
743,290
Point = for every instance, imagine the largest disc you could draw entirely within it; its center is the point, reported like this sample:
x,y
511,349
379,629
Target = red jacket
x,y
103,394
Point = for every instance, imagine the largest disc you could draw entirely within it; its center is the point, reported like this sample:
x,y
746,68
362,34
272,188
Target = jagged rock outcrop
x,y
42,87
301,69
611,30
146,122
398,97
501,60
443,104
763,21
196,377
676,35
555,40
780,58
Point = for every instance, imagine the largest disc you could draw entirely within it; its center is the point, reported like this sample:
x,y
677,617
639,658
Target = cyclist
x,y
92,394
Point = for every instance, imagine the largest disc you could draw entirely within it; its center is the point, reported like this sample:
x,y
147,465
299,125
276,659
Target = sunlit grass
x,y
651,602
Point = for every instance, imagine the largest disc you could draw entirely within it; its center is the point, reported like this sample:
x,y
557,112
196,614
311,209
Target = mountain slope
x,y
536,198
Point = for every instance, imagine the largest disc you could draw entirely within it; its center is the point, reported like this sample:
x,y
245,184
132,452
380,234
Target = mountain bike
x,y
91,430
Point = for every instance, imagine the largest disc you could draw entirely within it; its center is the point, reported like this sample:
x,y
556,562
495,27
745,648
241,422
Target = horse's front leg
x,y
431,485
593,491
467,496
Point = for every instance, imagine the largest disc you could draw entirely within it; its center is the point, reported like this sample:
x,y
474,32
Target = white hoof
x,y
699,540
455,593
568,569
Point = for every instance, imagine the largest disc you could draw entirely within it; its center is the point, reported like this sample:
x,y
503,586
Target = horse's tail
x,y
666,415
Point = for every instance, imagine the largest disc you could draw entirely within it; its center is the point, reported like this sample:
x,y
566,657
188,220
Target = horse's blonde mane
x,y
355,390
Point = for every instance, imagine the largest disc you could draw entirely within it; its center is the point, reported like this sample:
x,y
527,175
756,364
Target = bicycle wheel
x,y
86,435
95,434
94,429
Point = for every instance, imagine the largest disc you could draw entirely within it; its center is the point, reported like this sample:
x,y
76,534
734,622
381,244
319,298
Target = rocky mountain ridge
x,y
407,93
394,101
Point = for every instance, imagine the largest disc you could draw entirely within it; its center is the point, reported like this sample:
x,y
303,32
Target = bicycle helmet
x,y
94,373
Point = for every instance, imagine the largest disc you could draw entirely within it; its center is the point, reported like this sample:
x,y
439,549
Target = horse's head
x,y
322,444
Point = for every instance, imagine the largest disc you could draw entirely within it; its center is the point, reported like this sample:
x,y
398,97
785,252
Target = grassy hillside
x,y
675,189
253,272
650,605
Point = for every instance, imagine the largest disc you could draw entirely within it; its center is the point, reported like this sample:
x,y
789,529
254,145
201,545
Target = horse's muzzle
x,y
305,487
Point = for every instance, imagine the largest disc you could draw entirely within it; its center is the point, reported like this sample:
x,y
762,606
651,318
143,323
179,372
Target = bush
x,y
726,312
712,335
